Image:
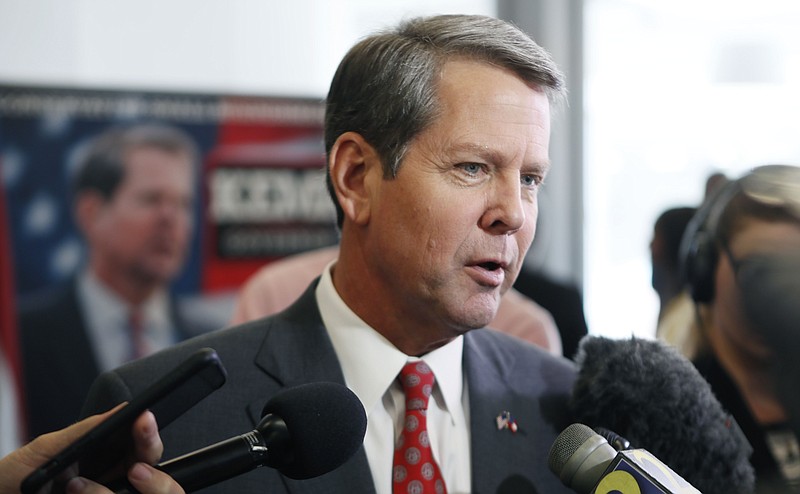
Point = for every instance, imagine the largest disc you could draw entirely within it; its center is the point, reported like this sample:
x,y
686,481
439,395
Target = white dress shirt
x,y
371,364
107,320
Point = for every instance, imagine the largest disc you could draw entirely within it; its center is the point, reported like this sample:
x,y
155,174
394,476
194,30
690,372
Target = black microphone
x,y
647,392
586,463
305,431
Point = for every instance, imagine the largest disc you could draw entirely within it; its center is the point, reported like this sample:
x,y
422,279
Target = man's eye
x,y
534,179
471,168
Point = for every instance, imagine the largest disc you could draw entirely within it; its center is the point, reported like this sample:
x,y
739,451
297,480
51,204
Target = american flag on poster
x,y
11,426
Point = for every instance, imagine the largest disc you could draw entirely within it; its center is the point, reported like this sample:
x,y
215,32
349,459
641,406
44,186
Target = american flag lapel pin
x,y
506,421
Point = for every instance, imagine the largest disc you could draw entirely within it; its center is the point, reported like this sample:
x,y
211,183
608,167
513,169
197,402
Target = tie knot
x,y
417,380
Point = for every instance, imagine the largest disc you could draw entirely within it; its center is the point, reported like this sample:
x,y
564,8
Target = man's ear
x,y
354,165
88,206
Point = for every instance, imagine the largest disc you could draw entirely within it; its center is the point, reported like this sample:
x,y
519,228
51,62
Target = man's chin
x,y
475,318
159,274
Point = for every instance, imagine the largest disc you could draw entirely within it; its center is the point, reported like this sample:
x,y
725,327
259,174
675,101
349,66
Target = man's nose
x,y
505,213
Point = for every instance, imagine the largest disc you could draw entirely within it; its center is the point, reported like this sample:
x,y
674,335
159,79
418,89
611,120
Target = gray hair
x,y
385,88
101,167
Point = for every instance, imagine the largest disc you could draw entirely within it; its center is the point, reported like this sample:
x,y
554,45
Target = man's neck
x,y
350,279
127,288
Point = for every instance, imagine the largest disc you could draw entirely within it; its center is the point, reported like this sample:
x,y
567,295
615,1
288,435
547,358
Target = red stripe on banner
x,y
9,336
224,274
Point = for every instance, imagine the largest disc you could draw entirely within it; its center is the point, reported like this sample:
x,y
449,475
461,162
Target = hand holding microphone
x,y
305,431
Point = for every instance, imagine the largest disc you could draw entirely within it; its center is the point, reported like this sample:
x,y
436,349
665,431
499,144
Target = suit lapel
x,y
496,452
59,361
298,350
77,368
486,384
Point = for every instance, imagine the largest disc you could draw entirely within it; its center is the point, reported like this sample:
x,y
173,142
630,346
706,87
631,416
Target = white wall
x,y
262,47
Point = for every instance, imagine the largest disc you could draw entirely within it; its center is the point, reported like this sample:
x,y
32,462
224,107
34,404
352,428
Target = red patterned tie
x,y
415,470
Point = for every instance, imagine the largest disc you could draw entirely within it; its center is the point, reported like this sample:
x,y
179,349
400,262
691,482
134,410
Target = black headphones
x,y
776,185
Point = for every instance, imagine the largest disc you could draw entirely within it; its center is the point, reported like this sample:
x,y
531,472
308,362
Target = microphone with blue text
x,y
586,463
650,394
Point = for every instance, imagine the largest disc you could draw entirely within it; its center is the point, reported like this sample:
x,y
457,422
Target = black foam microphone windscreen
x,y
326,422
305,431
649,393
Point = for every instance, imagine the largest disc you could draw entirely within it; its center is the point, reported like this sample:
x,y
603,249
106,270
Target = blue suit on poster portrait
x,y
59,358
267,355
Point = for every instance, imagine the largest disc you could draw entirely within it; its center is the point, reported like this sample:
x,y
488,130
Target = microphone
x,y
618,442
305,431
586,463
647,392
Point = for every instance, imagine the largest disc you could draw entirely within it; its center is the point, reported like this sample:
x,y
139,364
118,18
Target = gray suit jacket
x,y
293,348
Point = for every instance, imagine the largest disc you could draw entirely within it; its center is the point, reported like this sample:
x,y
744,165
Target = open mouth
x,y
489,266
488,273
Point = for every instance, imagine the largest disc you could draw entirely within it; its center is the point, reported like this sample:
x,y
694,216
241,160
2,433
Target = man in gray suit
x,y
437,136
133,190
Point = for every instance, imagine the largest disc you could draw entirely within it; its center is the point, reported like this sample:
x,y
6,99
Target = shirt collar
x,y
445,362
155,310
370,363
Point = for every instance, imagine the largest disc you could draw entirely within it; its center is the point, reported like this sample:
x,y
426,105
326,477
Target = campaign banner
x,y
260,188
